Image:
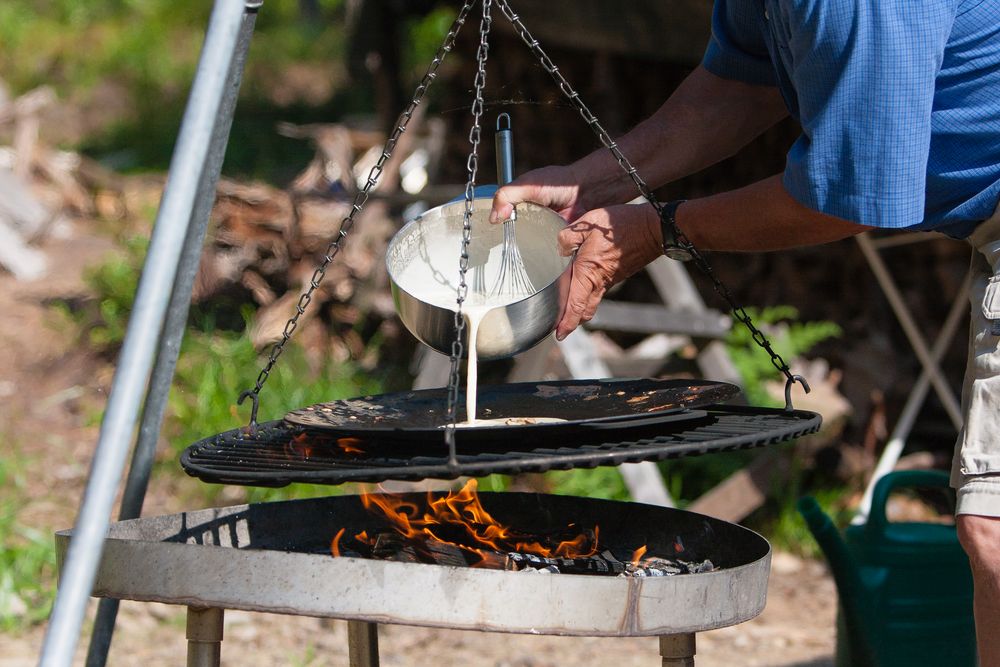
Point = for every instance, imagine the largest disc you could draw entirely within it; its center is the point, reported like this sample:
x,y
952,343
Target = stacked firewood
x,y
266,243
38,184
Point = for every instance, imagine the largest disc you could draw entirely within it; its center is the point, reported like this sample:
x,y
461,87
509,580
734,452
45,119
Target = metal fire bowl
x,y
505,331
274,557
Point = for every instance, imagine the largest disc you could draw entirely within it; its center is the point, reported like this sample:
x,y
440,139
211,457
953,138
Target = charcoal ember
x,y
698,567
604,563
520,561
655,566
663,567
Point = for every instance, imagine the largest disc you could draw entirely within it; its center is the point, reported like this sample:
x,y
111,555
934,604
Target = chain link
x,y
472,166
359,201
738,311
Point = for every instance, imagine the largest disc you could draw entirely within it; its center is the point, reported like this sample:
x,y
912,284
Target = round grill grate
x,y
279,453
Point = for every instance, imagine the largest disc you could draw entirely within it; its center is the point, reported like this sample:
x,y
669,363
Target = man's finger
x,y
570,239
504,201
581,304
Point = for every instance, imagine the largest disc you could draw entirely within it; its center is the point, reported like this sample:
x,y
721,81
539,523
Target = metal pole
x,y
677,650
148,315
204,635
894,448
173,333
937,378
362,644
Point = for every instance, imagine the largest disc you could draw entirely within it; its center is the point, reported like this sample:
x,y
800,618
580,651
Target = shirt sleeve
x,y
736,49
864,74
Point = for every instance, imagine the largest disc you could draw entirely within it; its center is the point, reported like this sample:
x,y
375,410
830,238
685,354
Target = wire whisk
x,y
512,277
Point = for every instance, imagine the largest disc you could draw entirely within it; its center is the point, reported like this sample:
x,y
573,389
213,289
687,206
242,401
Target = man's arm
x,y
758,217
707,119
613,243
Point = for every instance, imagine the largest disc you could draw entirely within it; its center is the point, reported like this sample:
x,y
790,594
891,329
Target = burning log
x,y
393,546
456,530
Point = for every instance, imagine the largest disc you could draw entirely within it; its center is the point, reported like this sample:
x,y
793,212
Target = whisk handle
x,y
504,142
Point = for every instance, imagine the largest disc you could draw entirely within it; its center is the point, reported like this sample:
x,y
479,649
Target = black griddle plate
x,y
582,405
280,453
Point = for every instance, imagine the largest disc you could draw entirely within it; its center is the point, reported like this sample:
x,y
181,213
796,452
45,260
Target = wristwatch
x,y
671,248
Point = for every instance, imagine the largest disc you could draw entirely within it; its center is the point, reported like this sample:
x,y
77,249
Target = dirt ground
x,y
50,392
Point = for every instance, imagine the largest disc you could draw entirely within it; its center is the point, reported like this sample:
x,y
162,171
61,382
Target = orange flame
x,y
638,554
350,445
299,447
335,544
460,520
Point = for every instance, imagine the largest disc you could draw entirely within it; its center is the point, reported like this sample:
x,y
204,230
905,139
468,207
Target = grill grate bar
x,y
281,454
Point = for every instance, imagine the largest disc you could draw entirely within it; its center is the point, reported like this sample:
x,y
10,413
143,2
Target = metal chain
x,y
738,311
359,201
472,166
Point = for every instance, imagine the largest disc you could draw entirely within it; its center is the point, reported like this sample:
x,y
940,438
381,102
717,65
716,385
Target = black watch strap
x,y
668,223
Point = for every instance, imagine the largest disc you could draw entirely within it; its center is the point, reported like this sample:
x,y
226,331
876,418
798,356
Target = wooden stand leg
x,y
677,650
362,643
204,635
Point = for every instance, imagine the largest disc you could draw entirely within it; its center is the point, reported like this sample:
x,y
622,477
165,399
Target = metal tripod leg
x,y
173,332
204,635
170,233
362,643
677,650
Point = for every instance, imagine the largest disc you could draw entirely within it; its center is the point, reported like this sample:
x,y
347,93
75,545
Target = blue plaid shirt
x,y
899,102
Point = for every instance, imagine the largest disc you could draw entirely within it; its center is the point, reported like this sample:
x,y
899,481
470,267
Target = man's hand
x,y
610,244
553,187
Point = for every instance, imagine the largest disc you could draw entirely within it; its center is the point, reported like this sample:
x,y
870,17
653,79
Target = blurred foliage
x,y
130,64
214,367
114,282
27,556
789,337
593,483
688,478
145,45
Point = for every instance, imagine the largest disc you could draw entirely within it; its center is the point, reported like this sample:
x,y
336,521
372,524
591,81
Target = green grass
x,y
27,557
148,45
214,367
787,530
137,59
593,483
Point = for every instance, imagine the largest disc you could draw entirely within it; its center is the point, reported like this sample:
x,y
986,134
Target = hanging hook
x,y
255,397
792,379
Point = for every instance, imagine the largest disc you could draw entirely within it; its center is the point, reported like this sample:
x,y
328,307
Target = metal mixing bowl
x,y
422,259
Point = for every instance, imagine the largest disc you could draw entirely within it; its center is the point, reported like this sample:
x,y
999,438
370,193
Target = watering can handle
x,y
895,480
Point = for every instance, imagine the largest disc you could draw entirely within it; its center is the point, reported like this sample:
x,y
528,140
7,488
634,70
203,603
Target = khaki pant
x,y
976,468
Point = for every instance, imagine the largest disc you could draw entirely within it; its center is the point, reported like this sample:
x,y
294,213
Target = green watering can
x,y
905,588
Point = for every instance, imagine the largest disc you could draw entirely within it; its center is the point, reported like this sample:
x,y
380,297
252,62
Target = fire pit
x,y
276,557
